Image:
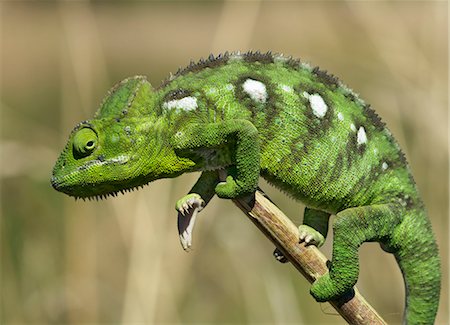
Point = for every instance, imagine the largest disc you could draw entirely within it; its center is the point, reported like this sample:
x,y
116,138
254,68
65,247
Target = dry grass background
x,y
119,261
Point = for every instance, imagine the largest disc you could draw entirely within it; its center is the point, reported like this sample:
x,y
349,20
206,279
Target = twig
x,y
306,259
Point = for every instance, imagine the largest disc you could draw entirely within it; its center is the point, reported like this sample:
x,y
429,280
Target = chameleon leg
x,y
315,227
235,140
313,231
351,228
190,205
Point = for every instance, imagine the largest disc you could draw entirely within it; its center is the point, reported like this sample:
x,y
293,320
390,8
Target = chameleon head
x,y
121,148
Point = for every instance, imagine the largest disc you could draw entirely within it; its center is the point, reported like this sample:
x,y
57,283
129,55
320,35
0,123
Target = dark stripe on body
x,y
316,127
353,150
271,108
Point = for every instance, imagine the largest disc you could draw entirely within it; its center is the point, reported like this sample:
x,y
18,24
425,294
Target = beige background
x,y
119,261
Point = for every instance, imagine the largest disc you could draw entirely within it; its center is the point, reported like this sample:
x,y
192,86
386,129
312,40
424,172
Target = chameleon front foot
x,y
188,207
228,189
232,188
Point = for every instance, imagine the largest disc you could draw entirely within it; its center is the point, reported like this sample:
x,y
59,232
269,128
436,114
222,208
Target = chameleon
x,y
238,116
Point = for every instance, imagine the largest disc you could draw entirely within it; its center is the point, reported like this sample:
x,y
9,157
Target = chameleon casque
x,y
251,115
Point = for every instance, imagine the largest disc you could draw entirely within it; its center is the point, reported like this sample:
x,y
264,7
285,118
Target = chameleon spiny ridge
x,y
268,115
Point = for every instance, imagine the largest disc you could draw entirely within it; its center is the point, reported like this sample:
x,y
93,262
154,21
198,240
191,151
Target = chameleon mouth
x,y
65,182
100,161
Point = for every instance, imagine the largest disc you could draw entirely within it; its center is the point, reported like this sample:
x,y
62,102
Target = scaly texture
x,y
258,114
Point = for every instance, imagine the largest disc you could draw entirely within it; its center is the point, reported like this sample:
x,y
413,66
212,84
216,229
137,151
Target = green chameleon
x,y
250,115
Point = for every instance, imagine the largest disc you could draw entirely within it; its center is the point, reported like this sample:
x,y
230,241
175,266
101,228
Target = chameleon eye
x,y
84,142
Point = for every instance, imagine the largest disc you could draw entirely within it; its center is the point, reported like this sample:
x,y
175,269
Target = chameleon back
x,y
319,141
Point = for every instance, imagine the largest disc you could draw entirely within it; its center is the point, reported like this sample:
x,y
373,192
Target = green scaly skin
x,y
258,114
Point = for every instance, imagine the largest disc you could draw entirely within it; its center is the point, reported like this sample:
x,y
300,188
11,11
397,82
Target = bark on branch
x,y
308,260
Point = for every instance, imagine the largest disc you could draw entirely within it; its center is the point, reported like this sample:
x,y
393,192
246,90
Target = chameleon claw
x,y
185,207
188,208
310,236
279,256
186,226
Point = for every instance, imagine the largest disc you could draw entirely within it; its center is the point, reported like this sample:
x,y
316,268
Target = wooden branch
x,y
306,259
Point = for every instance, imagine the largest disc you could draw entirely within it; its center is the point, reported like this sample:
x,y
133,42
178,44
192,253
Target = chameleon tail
x,y
418,258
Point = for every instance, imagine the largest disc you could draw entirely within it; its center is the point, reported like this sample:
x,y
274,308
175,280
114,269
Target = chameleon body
x,y
251,115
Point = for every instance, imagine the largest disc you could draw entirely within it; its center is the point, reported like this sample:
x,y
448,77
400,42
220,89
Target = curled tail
x,y
419,261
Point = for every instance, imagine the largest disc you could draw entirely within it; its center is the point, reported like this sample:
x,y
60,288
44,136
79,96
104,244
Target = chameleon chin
x,y
251,115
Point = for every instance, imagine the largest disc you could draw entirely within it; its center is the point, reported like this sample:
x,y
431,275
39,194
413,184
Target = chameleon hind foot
x,y
310,236
279,256
188,207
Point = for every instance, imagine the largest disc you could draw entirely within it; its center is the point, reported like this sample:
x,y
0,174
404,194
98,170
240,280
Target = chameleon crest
x,y
250,115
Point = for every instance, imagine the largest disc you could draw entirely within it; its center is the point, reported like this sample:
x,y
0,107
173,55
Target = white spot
x,y
185,104
340,116
318,105
375,150
211,90
229,87
361,137
287,89
306,95
256,90
353,127
384,166
122,159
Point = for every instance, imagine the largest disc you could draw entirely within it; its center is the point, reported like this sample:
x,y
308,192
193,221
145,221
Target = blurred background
x,y
119,260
